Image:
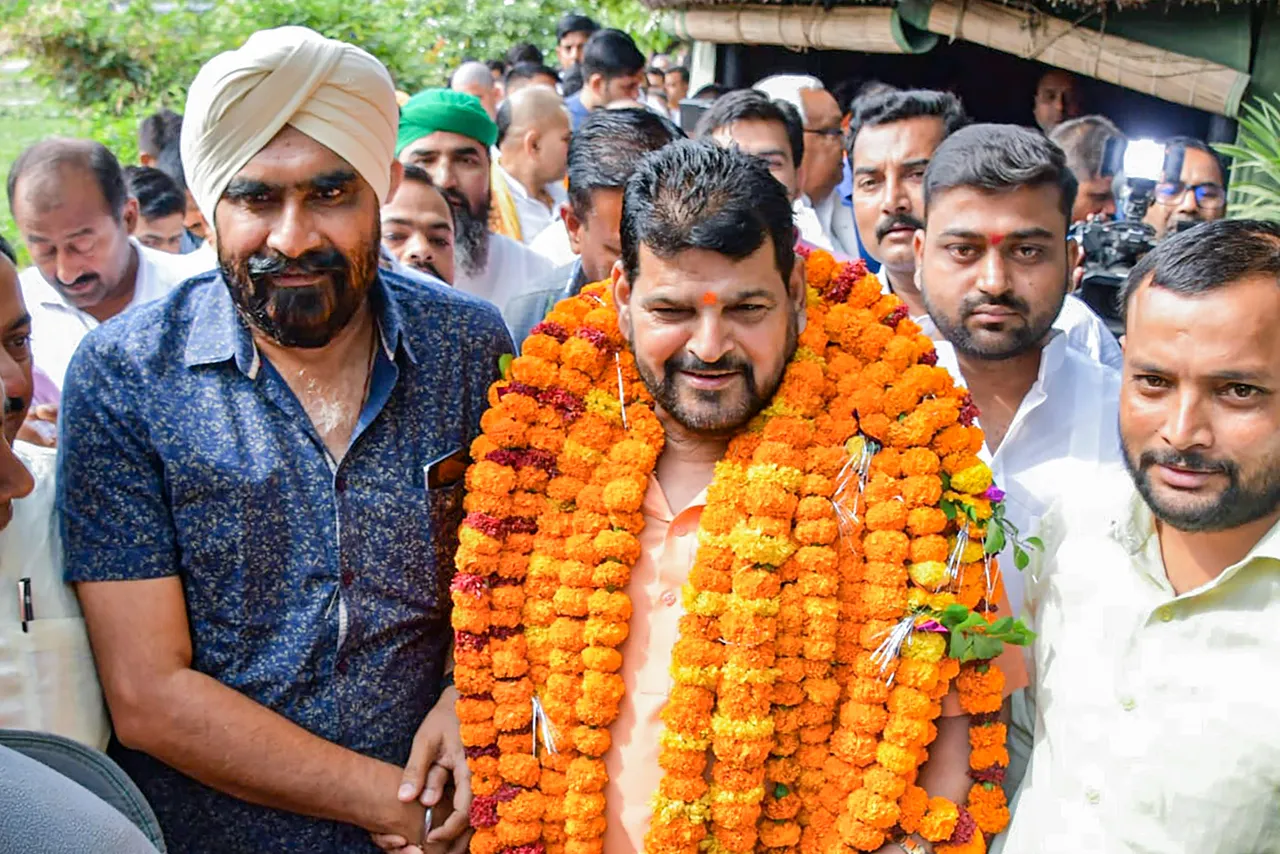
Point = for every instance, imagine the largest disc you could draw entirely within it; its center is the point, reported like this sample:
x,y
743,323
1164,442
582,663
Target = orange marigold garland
x,y
841,541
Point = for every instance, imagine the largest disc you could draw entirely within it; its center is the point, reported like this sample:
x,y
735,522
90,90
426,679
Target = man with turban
x,y
449,135
261,483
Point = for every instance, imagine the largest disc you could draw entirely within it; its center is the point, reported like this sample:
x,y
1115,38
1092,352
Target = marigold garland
x,y
810,665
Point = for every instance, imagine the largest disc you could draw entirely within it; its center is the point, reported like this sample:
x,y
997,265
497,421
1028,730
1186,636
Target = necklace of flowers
x,y
805,576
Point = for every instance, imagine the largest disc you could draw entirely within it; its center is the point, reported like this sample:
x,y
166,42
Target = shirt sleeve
x,y
115,520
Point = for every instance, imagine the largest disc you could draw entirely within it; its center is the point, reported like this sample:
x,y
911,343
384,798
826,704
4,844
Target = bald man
x,y
260,483
528,180
475,78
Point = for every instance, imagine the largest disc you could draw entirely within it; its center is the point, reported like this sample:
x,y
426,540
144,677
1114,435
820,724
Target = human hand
x,y
41,426
436,759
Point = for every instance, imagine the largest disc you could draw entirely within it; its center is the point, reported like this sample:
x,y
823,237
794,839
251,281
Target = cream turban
x,y
334,92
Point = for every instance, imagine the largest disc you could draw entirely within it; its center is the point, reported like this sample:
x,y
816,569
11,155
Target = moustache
x,y
897,221
1189,460
309,263
456,200
972,305
723,365
13,404
87,278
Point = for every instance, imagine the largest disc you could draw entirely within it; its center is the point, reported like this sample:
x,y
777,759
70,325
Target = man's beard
x,y
723,419
1018,340
1239,504
471,233
304,316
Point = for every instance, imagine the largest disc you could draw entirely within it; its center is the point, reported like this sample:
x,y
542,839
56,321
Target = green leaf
x,y
1021,559
1035,543
504,364
946,480
780,791
948,510
1000,626
994,541
954,615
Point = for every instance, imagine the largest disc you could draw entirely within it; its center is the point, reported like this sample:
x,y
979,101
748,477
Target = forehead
x,y
606,208
1199,166
969,209
11,304
755,135
291,157
58,190
820,107
689,274
575,38
414,199
1230,328
896,142
1056,81
441,142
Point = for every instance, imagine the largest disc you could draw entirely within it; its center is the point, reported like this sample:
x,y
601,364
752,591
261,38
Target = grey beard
x,y
471,242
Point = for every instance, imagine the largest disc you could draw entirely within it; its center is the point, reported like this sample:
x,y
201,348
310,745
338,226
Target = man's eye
x,y
868,183
749,309
1242,391
1151,381
668,312
331,193
1028,253
962,252
392,237
19,345
440,243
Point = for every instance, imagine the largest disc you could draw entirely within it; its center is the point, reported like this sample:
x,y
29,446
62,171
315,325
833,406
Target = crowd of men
x,y
260,355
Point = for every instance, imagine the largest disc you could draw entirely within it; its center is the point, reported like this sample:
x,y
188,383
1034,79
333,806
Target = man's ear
x,y
397,177
573,226
622,297
917,246
597,84
129,215
797,290
532,141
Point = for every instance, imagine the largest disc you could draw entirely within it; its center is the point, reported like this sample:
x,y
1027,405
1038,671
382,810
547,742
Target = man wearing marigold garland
x,y
1159,594
706,575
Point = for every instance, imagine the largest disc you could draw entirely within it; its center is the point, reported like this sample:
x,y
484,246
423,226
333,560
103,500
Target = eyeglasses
x,y
1208,196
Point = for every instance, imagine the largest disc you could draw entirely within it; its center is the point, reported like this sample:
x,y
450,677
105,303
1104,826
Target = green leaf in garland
x,y
948,510
780,791
994,541
1020,558
1035,543
504,364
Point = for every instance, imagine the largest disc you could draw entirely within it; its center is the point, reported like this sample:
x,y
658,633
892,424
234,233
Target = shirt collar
x,y
517,189
218,333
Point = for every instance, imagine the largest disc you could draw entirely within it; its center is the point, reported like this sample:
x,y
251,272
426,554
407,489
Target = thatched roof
x,y
1063,8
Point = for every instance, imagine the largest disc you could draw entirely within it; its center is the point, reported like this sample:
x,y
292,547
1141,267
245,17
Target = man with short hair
x,y
69,201
417,226
161,209
612,69
823,153
1196,194
1084,141
157,132
53,686
530,74
750,121
528,179
1057,99
675,84
269,612
523,53
1156,598
892,139
655,90
448,134
476,78
603,154
572,33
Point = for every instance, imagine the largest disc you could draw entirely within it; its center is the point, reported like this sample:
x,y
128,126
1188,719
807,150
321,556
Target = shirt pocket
x,y
48,682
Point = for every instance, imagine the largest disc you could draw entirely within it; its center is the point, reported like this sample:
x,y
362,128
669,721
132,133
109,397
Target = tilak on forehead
x,y
996,239
709,298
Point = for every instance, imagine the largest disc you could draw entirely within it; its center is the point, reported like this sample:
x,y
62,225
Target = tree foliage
x,y
113,61
1255,166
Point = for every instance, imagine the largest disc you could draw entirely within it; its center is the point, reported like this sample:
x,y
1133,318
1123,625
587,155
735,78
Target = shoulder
x,y
1089,507
436,315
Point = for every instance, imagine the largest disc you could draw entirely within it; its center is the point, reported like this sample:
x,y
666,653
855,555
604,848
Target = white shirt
x,y
811,230
535,217
1063,430
57,327
1156,722
47,676
836,222
512,268
553,244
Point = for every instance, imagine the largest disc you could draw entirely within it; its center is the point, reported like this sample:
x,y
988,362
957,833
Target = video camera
x,y
1112,248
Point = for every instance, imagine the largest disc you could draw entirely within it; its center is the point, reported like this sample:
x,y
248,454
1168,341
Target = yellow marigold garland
x,y
810,665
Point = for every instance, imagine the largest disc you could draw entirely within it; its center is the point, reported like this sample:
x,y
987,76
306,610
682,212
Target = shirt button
x,y
669,598
1093,796
1128,704
347,577
1166,614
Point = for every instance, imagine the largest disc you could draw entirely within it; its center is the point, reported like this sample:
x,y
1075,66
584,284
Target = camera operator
x,y
1195,195
1084,141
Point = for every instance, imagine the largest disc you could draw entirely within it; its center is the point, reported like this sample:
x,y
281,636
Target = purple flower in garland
x,y
994,494
965,828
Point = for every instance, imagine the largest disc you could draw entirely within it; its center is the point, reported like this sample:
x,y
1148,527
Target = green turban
x,y
433,110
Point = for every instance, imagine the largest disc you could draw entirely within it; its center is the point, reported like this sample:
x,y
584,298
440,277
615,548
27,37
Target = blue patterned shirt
x,y
320,592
